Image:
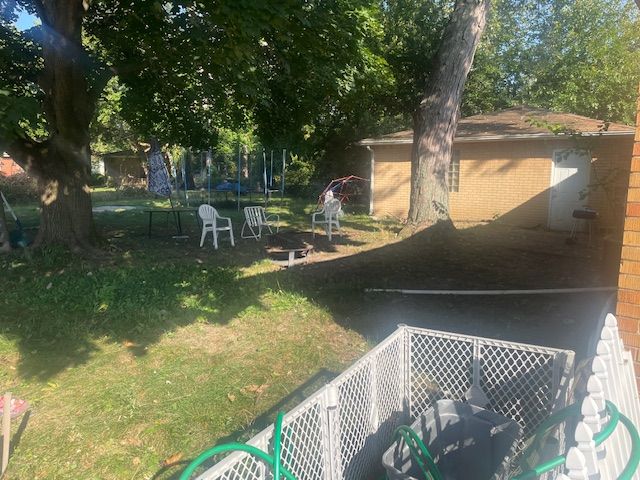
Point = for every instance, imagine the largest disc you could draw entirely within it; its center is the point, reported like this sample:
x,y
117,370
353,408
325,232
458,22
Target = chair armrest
x,y
273,215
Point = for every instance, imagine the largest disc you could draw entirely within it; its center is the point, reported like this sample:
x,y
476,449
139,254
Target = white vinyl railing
x,y
612,378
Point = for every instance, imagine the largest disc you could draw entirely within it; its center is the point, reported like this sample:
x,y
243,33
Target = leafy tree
x,y
319,72
579,56
586,60
109,131
186,68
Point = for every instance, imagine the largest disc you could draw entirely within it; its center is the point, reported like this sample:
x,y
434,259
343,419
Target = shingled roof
x,y
514,123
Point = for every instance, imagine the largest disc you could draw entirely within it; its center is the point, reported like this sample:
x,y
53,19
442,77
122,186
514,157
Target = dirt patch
x,y
481,257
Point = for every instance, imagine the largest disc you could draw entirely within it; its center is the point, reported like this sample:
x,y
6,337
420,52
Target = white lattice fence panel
x,y
518,383
370,407
340,432
237,466
390,391
304,448
440,367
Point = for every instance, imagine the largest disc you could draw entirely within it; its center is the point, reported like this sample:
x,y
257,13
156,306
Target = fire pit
x,y
288,248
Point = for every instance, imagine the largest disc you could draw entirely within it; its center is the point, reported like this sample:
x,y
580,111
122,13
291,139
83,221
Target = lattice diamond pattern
x,y
355,397
518,383
389,390
246,468
302,446
440,368
388,400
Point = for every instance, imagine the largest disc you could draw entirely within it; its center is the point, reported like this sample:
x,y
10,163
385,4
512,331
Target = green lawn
x,y
159,349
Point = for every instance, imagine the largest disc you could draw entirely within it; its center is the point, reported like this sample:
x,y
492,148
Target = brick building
x,y
8,167
628,308
509,166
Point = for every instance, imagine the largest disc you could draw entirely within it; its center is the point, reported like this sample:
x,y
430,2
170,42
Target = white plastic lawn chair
x,y
255,219
331,214
211,223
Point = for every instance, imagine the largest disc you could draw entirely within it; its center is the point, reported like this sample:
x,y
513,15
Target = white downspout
x,y
373,164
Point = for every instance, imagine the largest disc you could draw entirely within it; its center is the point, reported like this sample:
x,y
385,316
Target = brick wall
x,y
628,309
505,180
392,180
8,167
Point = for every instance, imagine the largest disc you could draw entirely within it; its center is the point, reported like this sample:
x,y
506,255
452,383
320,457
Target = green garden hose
x,y
423,458
615,417
421,455
277,440
412,440
632,465
272,461
545,427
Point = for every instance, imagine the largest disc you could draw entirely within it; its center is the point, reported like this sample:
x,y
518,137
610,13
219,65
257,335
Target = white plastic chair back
x,y
214,223
254,216
207,213
255,219
332,207
330,211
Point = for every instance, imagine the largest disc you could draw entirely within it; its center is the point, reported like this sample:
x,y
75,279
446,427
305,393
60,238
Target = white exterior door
x,y
569,177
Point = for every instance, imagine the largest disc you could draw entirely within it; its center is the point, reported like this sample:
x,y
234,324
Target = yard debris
x,y
257,389
173,459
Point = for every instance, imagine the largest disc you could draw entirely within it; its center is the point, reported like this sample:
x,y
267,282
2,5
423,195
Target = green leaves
x,y
20,67
578,56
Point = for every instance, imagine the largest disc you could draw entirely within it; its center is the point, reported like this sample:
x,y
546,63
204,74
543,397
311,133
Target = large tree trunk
x,y
67,216
436,119
62,163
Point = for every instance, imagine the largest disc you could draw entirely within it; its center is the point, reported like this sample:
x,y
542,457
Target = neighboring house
x,y
8,167
509,166
119,167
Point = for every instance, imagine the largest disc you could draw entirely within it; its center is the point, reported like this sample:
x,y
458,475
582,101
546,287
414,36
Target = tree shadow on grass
x,y
150,287
132,297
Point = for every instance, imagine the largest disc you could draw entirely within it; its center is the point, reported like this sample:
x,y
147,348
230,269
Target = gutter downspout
x,y
373,164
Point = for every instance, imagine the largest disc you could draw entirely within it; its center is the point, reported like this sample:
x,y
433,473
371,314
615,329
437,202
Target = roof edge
x,y
486,138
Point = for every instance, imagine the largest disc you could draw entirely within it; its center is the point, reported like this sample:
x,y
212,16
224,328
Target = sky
x,y
26,20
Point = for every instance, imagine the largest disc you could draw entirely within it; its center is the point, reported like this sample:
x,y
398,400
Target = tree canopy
x,y
314,75
185,69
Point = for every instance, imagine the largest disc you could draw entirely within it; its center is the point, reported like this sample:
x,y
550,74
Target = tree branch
x,y
41,11
99,85
26,152
129,68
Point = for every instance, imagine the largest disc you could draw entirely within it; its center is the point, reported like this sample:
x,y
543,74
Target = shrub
x,y
298,179
131,186
98,180
19,188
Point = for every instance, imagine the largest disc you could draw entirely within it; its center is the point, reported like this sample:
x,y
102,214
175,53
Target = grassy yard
x,y
136,361
156,351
